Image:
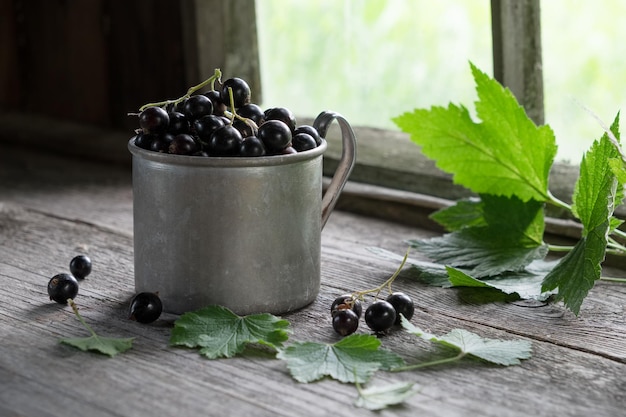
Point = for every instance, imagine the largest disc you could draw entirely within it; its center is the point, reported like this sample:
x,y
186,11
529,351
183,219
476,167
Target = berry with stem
x,y
346,302
345,322
403,305
61,287
217,75
154,120
380,316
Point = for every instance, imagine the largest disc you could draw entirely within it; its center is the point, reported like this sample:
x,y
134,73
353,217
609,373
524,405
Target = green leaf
x,y
593,203
618,168
506,154
500,352
352,359
477,253
219,332
110,346
595,190
380,397
465,213
527,284
510,238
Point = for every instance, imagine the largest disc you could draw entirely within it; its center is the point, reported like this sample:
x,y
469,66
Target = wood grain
x,y
58,207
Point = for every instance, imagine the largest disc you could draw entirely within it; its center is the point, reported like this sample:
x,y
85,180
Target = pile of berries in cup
x,y
221,122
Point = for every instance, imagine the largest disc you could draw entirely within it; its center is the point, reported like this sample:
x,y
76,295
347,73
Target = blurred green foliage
x,y
371,60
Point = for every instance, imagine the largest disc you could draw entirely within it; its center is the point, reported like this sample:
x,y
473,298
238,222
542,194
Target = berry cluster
x,y
145,307
221,122
380,316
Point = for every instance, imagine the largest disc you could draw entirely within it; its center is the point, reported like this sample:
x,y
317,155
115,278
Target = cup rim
x,y
230,161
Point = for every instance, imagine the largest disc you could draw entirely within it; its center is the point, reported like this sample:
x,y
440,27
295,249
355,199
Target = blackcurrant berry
x,y
61,287
197,106
403,304
246,128
218,107
345,322
241,92
282,114
145,307
183,144
275,135
252,146
346,302
153,120
225,141
252,111
287,151
179,107
144,140
206,125
178,123
80,266
303,142
311,131
380,316
161,143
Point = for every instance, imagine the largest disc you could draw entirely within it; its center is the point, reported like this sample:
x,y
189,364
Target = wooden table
x,y
52,208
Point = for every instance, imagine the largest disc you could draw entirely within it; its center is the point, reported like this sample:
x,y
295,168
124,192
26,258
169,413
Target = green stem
x,y
80,318
615,248
619,233
558,203
377,290
217,75
558,248
430,363
616,252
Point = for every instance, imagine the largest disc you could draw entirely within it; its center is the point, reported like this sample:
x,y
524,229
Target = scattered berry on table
x,y
403,305
61,287
380,316
80,266
345,322
344,302
145,307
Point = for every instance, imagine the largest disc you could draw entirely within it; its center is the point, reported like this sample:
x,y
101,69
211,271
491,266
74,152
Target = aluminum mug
x,y
240,232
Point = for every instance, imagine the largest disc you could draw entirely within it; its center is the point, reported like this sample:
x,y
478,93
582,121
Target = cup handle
x,y
346,163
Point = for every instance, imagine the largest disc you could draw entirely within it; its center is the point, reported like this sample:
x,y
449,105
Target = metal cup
x,y
244,233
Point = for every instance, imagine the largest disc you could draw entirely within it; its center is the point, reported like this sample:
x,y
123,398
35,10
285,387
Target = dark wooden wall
x,y
93,61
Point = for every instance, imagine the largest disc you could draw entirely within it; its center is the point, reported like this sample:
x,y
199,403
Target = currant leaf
x,y
110,346
382,396
506,236
218,332
595,195
352,359
506,154
500,352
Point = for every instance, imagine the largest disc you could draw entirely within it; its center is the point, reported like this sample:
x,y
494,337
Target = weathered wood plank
x,y
32,361
58,208
219,34
517,61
